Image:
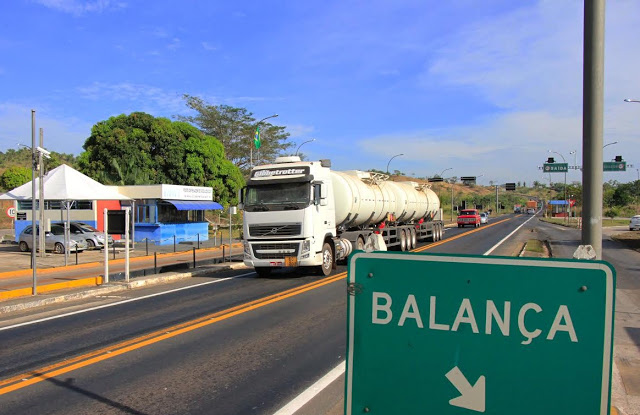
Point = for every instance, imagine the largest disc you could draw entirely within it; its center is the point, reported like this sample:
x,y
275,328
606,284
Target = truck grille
x,y
275,251
285,229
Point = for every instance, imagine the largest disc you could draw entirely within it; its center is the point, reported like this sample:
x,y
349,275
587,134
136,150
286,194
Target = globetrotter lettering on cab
x,y
382,314
279,172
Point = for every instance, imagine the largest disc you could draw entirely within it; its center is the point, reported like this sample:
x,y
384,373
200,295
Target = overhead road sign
x,y
510,186
615,166
555,167
460,334
468,179
435,179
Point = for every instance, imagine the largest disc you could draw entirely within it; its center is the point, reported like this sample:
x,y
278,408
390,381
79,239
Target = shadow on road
x,y
68,384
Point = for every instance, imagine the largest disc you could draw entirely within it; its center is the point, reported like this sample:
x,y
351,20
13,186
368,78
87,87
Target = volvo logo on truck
x,y
280,172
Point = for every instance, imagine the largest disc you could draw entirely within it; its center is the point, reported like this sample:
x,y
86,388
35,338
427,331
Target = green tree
x,y
14,177
235,129
141,149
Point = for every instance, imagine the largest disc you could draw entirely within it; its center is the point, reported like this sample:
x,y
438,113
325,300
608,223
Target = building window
x,y
56,205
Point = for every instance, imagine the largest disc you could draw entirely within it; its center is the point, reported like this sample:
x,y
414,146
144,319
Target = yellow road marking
x,y
35,376
39,375
424,248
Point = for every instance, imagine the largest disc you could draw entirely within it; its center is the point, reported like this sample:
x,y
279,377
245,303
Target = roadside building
x,y
163,212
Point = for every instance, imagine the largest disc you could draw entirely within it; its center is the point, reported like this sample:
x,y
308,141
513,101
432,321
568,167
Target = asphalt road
x,y
229,344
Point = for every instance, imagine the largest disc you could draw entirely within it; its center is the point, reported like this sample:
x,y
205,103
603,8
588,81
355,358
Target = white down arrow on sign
x,y
471,397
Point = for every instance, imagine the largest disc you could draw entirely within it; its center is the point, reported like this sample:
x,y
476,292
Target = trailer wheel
x,y
413,238
440,232
263,271
327,259
403,240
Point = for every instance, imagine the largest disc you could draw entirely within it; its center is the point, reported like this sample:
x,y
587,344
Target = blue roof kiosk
x,y
165,211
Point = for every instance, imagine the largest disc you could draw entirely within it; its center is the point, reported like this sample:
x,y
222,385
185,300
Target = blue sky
x,y
482,87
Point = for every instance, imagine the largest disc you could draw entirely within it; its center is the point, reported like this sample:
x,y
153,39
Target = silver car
x,y
484,217
634,223
93,237
53,240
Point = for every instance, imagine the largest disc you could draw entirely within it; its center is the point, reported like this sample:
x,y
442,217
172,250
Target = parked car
x,y
469,217
484,217
53,240
93,237
634,223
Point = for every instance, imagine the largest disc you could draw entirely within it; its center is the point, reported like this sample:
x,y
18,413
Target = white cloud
x,y
175,44
80,7
208,46
146,98
529,63
65,135
299,131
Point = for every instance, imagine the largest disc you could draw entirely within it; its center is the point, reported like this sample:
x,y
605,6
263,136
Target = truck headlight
x,y
247,248
306,246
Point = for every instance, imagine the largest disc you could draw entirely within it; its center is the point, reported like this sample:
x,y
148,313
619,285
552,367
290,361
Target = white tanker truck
x,y
304,214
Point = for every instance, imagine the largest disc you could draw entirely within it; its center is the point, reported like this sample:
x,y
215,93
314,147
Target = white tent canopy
x,y
66,183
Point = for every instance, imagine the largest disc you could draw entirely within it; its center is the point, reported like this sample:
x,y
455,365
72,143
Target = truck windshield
x,y
277,196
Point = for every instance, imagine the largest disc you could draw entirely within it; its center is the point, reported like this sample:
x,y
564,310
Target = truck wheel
x,y
263,271
403,240
327,259
436,232
440,232
413,239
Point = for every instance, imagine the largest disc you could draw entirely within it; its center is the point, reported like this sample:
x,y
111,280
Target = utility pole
x,y
41,204
34,229
592,123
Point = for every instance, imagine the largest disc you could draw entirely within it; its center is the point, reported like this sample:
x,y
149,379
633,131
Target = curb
x,y
116,287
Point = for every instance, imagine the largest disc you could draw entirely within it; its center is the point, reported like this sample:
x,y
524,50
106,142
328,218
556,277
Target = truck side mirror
x,y
323,195
241,198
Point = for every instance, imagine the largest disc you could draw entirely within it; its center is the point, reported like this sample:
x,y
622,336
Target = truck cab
x,y
469,217
288,220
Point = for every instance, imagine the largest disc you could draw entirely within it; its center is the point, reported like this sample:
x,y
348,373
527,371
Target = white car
x,y
484,217
634,223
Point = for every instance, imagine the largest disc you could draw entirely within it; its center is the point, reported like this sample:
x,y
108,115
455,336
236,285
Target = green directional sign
x,y
556,167
458,334
615,166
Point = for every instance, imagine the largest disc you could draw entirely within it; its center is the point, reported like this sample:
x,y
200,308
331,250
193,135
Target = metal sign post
x,y
106,246
462,334
127,211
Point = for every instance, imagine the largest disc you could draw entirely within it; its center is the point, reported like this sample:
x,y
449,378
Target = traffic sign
x,y
435,179
556,167
11,212
460,334
614,166
510,186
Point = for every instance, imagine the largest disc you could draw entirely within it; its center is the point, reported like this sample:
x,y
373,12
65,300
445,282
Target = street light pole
x,y
565,179
308,141
401,154
442,173
257,132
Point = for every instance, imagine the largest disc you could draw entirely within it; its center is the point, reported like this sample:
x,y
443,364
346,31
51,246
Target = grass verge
x,y
631,239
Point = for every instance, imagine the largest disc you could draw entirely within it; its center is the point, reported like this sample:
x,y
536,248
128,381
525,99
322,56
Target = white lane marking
x,y
27,323
508,236
313,390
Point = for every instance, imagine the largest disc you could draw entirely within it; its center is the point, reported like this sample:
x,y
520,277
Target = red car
x,y
469,217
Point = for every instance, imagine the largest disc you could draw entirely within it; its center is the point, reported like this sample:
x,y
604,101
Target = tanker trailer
x,y
299,213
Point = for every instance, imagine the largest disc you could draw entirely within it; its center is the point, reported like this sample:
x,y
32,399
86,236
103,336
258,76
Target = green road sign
x,y
556,167
456,334
615,166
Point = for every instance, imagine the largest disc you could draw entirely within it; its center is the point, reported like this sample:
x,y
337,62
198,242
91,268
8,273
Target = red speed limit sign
x,y
11,212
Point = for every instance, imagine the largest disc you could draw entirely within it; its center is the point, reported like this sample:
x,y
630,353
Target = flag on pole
x,y
256,138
